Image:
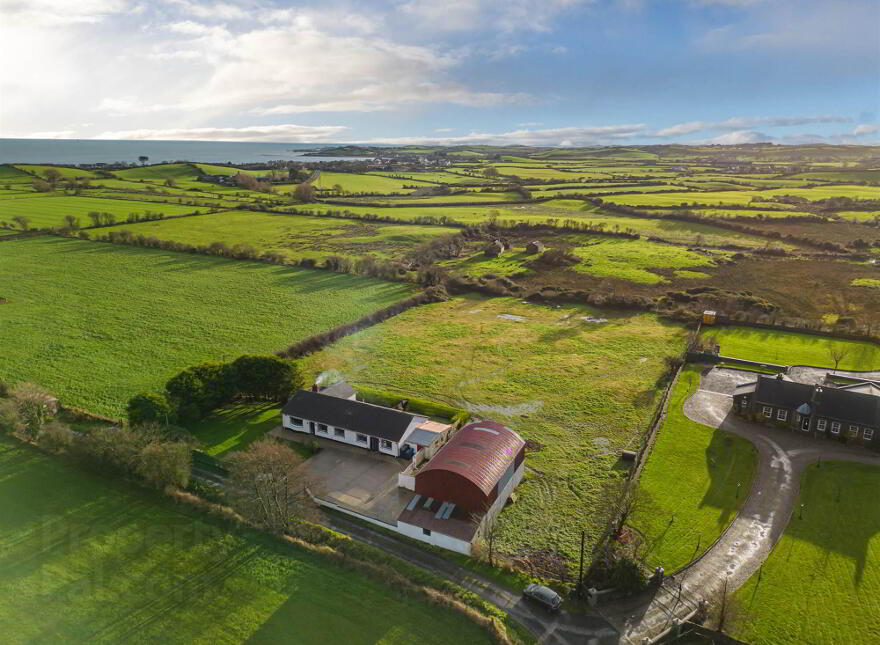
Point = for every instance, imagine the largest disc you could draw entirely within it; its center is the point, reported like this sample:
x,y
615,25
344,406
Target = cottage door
x,y
374,444
311,427
805,422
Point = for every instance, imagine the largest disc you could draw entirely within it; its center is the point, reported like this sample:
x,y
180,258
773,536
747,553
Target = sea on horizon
x,y
90,151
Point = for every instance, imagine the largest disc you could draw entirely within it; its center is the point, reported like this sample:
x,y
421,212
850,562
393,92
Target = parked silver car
x,y
551,600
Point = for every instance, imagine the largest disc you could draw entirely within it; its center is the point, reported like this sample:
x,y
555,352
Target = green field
x,y
354,183
159,173
821,583
688,490
633,259
14,177
295,236
114,320
581,390
66,173
792,348
50,211
866,282
85,559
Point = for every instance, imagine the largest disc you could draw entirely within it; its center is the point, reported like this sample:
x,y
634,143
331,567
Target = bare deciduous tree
x,y
266,486
304,192
838,352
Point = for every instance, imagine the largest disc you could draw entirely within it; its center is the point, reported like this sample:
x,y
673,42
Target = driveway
x,y
743,547
354,478
816,375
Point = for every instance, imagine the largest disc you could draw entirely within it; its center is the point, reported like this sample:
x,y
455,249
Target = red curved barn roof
x,y
480,452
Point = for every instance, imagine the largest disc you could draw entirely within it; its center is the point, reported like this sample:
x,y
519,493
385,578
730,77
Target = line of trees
x,y
196,391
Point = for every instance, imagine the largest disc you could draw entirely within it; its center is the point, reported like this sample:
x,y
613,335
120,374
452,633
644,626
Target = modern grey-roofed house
x,y
849,413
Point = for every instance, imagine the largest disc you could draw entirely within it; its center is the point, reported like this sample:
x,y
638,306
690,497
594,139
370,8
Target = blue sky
x,y
539,72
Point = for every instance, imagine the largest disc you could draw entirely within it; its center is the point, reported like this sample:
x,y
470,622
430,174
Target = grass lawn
x,y
85,559
792,348
234,427
821,584
49,211
295,236
580,390
688,488
97,323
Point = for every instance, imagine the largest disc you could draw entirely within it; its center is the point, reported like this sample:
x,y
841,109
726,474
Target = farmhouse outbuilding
x,y
463,488
849,413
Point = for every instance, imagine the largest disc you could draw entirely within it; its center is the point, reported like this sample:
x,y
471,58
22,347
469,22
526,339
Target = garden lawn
x,y
235,427
688,489
792,348
580,390
97,323
295,236
821,583
85,559
50,211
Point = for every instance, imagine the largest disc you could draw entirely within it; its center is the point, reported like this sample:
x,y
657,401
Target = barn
x,y
464,486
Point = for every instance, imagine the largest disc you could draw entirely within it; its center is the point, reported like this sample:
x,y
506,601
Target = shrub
x,y
10,419
162,464
265,377
149,407
57,437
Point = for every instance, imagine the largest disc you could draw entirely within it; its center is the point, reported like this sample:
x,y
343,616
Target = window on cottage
x,y
768,411
781,414
386,444
339,432
868,434
426,531
322,428
821,424
361,438
295,421
835,427
854,431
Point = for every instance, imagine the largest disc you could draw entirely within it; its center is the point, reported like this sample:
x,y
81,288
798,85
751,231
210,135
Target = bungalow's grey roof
x,y
340,390
356,416
835,403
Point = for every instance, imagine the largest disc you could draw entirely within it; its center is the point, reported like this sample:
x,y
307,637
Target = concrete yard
x,y
354,478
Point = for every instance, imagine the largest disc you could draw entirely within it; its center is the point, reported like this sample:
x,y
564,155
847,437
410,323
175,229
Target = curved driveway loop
x,y
740,551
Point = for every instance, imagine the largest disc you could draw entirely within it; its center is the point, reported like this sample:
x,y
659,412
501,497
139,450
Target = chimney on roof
x,y
817,392
779,376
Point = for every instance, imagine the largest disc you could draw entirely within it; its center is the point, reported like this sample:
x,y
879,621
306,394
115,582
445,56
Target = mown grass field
x,y
688,491
50,211
85,559
581,390
821,584
65,172
295,236
792,348
97,323
355,183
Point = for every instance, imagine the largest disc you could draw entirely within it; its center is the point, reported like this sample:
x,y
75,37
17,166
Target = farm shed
x,y
464,486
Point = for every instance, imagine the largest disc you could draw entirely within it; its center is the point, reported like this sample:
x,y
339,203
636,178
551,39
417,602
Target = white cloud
x,y
57,13
741,136
472,15
740,124
51,134
550,137
866,128
285,133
